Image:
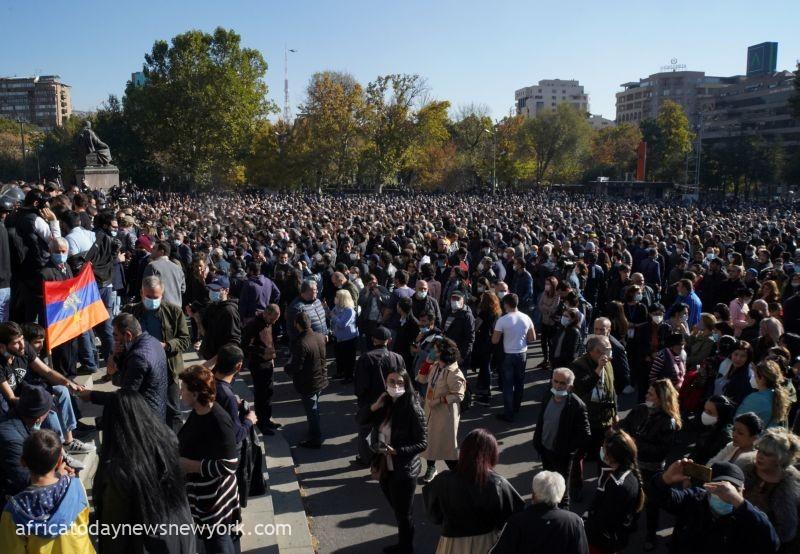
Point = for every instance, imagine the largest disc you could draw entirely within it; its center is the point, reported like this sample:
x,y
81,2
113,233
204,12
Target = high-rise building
x,y
548,94
642,100
138,79
752,106
44,101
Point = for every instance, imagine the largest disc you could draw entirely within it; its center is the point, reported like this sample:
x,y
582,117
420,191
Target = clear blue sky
x,y
469,50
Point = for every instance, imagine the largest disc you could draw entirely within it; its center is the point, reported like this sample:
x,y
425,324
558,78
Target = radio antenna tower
x,y
287,114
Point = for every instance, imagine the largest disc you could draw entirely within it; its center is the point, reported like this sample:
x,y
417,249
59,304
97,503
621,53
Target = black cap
x,y
34,402
726,471
381,334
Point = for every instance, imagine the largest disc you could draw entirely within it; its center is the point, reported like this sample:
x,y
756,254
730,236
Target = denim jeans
x,y
105,330
63,408
87,351
5,304
311,406
513,382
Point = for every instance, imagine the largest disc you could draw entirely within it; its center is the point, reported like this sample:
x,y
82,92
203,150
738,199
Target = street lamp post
x,y
22,138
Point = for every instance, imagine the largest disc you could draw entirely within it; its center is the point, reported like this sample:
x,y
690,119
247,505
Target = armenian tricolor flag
x,y
73,307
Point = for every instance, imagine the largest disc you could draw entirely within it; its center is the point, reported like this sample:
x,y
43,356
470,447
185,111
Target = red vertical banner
x,y
641,160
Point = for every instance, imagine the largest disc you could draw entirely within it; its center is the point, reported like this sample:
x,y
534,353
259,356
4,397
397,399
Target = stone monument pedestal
x,y
101,177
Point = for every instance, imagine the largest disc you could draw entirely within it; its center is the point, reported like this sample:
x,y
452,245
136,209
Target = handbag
x,y
377,468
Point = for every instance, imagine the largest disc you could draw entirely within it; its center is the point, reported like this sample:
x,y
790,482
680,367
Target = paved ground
x,y
347,511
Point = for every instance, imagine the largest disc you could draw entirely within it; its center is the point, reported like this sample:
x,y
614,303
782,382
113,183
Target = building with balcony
x,y
44,100
549,93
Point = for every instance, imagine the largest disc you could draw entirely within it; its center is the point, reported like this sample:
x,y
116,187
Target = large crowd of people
x,y
424,304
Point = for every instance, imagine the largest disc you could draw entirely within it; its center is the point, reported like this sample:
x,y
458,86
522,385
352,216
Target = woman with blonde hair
x,y
770,401
772,484
770,292
343,321
653,425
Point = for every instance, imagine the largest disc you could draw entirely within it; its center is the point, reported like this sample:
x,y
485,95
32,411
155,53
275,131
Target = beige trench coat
x,y
443,417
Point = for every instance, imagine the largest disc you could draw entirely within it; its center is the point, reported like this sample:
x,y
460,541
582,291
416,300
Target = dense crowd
x,y
426,305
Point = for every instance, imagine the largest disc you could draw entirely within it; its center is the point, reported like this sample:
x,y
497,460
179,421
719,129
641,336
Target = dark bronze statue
x,y
91,150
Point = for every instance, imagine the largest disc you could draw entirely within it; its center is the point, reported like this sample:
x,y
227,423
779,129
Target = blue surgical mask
x,y
151,303
560,393
59,258
36,426
214,295
719,506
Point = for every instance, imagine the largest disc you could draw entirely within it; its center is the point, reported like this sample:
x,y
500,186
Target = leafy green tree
x,y
669,140
613,150
389,126
199,107
329,130
554,141
472,135
432,154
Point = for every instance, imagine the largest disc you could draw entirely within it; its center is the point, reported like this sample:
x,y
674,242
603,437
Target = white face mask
x,y
395,392
560,393
708,420
650,404
421,294
753,381
455,305
657,319
565,320
501,294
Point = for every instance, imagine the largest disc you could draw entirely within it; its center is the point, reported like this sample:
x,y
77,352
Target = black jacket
x,y
464,509
222,326
543,528
654,433
570,346
141,368
711,440
409,433
462,332
5,258
573,426
371,371
406,335
612,513
746,530
307,365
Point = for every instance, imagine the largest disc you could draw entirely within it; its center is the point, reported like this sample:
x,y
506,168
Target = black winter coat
x,y
612,514
307,365
464,509
654,433
371,371
543,528
573,426
462,332
409,432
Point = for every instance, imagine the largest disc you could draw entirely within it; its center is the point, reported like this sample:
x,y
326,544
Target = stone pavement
x,y
347,511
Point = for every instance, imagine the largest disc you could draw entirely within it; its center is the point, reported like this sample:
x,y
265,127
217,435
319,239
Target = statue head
x,y
87,124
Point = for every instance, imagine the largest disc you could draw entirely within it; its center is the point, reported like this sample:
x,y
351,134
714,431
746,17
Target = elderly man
x,y
309,304
594,385
543,526
340,282
562,428
619,358
164,322
422,302
139,364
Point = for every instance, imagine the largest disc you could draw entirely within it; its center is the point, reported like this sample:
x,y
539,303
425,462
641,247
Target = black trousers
x,y
652,510
263,389
399,491
174,420
552,461
345,352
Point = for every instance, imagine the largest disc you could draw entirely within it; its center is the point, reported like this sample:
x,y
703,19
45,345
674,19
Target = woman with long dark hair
x,y
139,478
401,437
548,305
619,496
473,502
486,355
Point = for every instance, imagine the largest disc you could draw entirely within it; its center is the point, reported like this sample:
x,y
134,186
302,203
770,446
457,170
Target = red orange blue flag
x,y
72,307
